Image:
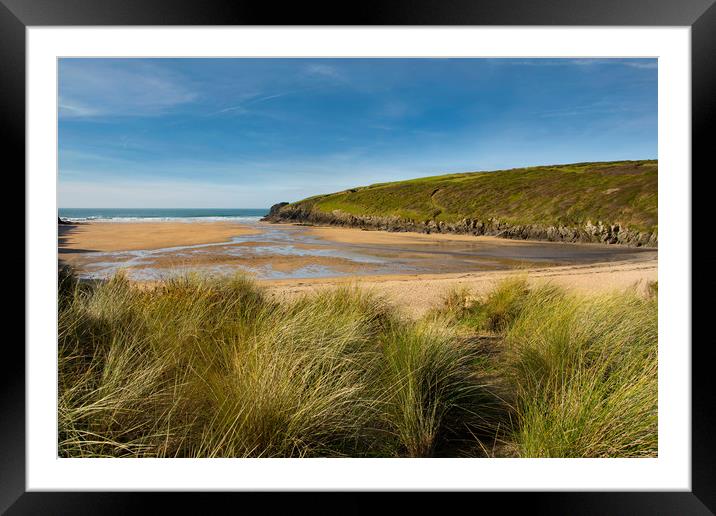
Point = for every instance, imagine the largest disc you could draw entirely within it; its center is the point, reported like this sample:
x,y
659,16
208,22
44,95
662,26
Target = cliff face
x,y
589,233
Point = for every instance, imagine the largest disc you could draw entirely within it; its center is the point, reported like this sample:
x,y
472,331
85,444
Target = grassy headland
x,y
215,368
611,202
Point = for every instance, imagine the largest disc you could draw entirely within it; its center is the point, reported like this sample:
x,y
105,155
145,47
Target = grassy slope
x,y
612,192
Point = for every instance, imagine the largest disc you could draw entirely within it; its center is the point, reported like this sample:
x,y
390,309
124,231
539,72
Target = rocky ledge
x,y
598,232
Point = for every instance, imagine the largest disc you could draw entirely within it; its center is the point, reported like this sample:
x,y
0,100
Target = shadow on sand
x,y
64,232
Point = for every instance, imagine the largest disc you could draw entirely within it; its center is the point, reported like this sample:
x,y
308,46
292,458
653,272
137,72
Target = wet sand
x,y
412,269
510,252
366,236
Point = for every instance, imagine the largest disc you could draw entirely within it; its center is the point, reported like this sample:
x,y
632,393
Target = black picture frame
x,y
700,15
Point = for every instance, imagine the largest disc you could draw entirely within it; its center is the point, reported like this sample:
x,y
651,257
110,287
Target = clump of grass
x,y
503,304
495,311
300,385
580,373
66,281
584,374
117,387
457,304
431,386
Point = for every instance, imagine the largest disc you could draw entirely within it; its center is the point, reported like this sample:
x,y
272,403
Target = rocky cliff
x,y
591,232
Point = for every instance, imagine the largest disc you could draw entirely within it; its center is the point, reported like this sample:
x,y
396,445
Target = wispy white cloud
x,y
650,64
324,70
303,82
653,65
90,89
236,109
583,111
68,109
267,97
397,109
586,62
243,109
599,107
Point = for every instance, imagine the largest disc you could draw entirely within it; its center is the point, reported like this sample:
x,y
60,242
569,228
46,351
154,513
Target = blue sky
x,y
247,133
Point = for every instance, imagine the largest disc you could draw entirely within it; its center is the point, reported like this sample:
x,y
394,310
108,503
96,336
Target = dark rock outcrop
x,y
588,233
273,211
60,221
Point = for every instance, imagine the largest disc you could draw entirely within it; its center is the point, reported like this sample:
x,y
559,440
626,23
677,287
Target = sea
x,y
162,214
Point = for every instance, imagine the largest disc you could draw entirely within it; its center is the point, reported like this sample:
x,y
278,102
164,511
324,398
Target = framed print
x,y
412,250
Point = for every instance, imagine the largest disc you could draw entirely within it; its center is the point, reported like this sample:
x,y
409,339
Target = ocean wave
x,y
237,218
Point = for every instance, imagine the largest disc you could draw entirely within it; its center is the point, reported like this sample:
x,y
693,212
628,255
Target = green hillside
x,y
623,192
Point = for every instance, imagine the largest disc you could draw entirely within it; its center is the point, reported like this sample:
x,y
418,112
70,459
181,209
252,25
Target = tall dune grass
x,y
299,384
213,368
585,376
200,367
580,371
436,391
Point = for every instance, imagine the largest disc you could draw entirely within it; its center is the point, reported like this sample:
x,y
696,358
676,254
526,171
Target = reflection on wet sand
x,y
287,252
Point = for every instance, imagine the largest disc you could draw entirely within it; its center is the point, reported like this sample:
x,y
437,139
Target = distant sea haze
x,y
161,214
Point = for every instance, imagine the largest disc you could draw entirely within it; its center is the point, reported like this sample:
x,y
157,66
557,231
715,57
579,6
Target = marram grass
x,y
579,372
585,376
199,367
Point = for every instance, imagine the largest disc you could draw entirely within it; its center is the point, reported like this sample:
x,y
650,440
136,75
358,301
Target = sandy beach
x,y
127,236
417,294
412,270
